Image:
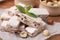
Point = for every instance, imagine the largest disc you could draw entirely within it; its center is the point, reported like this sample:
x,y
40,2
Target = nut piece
x,y
55,5
46,33
49,4
58,3
4,24
23,34
55,2
50,21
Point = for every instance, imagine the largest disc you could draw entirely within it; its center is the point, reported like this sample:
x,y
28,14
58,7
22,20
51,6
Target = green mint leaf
x,y
28,8
31,14
20,8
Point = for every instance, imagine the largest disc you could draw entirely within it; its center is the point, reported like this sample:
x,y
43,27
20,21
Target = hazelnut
x,y
8,26
46,33
49,3
50,21
55,4
23,34
58,3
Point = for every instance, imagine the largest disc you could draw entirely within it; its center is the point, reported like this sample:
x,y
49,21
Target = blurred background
x,y
10,3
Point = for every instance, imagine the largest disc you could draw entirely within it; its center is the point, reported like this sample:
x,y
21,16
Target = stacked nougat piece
x,y
21,23
35,25
9,22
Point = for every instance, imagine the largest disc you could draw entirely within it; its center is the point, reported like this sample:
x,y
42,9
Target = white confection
x,y
39,20
4,23
39,11
42,23
5,16
12,9
31,30
14,22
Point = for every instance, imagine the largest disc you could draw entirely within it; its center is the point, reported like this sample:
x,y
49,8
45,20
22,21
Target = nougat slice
x,y
5,16
14,21
34,22
32,31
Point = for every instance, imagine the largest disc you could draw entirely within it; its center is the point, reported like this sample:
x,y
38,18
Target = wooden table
x,y
7,4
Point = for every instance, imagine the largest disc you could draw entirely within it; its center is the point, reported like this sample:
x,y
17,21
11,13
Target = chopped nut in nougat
x,y
14,22
46,33
23,34
52,3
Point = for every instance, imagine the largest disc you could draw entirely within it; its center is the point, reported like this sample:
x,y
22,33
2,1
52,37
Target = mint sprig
x,y
26,10
31,14
20,8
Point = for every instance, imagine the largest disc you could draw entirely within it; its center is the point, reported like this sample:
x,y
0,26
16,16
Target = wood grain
x,y
54,37
54,18
7,4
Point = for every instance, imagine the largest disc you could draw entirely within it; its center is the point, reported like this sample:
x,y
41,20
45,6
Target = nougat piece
x,y
4,26
30,30
43,13
14,21
4,23
33,22
33,31
5,16
30,21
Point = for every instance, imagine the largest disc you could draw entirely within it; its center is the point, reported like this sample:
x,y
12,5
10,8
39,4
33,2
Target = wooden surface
x,y
56,18
7,4
54,37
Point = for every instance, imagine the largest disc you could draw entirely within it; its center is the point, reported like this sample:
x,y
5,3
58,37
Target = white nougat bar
x,y
14,21
41,12
33,22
